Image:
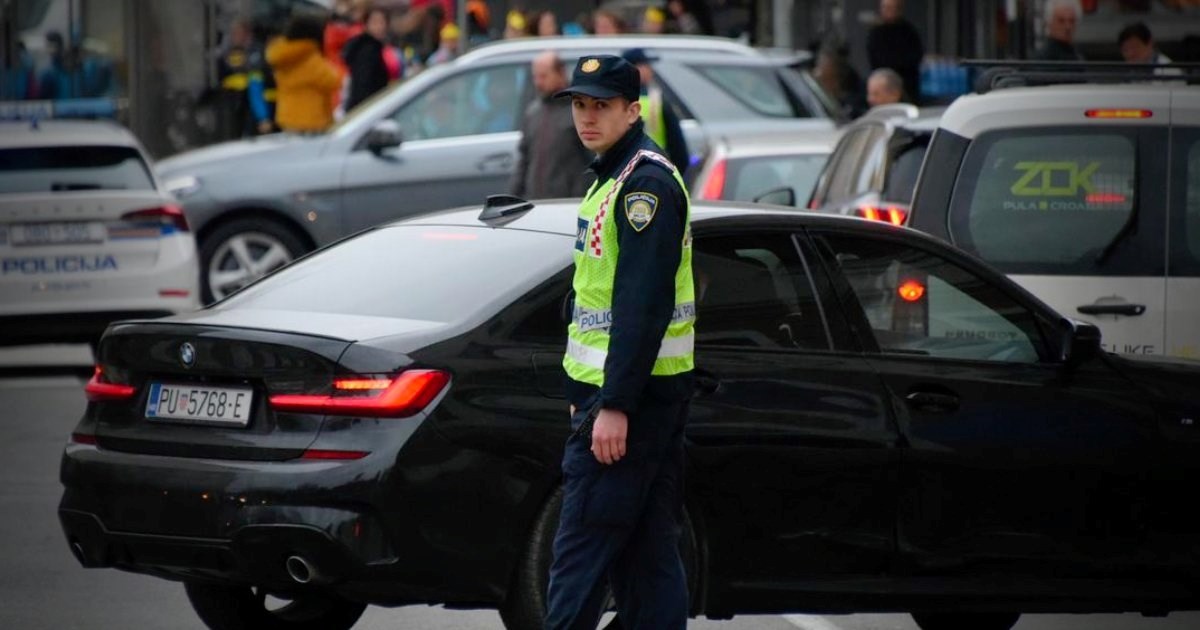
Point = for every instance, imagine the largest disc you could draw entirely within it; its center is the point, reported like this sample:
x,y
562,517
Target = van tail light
x,y
896,215
169,215
714,188
384,397
99,389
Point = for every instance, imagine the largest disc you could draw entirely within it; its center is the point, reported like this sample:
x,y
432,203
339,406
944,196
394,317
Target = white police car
x,y
87,234
1088,195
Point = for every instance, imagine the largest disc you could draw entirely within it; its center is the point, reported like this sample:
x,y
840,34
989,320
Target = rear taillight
x,y
890,214
86,439
168,215
390,397
328,455
715,187
99,389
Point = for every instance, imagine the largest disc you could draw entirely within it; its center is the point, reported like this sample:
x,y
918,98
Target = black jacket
x,y
897,45
368,73
644,287
1057,50
551,161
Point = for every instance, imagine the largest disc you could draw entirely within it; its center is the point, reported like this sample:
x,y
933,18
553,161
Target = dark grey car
x,y
447,137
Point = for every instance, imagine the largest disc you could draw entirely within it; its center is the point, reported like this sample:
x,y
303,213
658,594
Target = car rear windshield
x,y
1051,200
55,169
749,178
760,89
423,272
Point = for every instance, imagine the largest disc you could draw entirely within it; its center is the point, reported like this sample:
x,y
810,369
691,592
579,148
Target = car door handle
x,y
498,162
1131,310
932,401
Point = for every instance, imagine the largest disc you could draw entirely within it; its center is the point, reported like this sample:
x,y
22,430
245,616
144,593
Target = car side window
x,y
919,303
754,291
843,173
488,100
1046,202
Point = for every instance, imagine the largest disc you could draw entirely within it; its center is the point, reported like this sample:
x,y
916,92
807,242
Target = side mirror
x,y
1080,342
783,196
384,135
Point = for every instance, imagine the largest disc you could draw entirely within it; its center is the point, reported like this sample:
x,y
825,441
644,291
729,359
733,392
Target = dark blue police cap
x,y
604,76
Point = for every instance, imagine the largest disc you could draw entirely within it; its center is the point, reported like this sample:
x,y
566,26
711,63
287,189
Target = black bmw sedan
x,y
881,423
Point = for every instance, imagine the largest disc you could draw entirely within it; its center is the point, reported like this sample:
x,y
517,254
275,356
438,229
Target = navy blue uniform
x,y
621,523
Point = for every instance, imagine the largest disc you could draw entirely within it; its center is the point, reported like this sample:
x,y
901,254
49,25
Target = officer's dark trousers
x,y
621,525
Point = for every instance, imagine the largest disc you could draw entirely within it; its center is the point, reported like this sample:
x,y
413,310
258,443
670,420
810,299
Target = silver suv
x,y
448,137
1088,195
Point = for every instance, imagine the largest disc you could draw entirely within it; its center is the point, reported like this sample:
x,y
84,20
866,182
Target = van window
x,y
1047,202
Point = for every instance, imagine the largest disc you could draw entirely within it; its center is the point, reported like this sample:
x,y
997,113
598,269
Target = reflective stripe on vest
x,y
596,254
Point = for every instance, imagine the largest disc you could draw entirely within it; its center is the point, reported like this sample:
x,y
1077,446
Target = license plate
x,y
226,406
57,233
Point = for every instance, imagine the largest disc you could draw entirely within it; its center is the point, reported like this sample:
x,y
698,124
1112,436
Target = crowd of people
x,y
895,54
322,66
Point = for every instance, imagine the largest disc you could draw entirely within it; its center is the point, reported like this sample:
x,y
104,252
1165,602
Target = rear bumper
x,y
222,520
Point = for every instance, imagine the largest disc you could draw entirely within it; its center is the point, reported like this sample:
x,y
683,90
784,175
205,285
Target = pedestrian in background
x,y
364,58
547,24
607,23
243,73
685,21
515,25
305,80
629,364
1137,45
1062,18
838,78
884,87
662,124
551,161
346,24
894,43
654,21
448,49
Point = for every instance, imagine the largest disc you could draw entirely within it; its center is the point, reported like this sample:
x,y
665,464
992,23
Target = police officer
x,y
662,125
629,361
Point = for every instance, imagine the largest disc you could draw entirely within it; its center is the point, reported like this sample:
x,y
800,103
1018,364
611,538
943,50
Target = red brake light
x,y
911,291
715,187
402,396
1118,113
168,215
99,389
891,214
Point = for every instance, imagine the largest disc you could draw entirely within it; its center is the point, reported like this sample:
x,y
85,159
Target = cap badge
x,y
591,65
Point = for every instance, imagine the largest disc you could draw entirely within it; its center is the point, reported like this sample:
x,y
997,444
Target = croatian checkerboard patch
x,y
639,209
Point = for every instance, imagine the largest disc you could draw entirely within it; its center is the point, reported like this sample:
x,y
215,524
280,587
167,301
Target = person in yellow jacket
x,y
305,80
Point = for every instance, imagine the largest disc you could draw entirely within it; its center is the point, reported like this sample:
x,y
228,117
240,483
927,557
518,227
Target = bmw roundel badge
x,y
187,354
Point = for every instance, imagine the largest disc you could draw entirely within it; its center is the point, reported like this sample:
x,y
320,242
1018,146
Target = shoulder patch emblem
x,y
639,209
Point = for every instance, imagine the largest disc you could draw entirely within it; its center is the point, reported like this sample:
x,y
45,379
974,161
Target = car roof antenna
x,y
499,207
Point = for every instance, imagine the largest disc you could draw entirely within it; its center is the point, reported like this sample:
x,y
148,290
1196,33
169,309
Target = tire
x,y
525,607
242,608
243,250
966,621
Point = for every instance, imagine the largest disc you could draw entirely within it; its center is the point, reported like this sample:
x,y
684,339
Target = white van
x,y
1088,195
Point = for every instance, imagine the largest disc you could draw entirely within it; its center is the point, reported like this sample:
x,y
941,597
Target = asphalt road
x,y
43,587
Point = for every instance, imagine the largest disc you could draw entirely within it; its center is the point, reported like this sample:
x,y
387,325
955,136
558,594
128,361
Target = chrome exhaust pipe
x,y
301,571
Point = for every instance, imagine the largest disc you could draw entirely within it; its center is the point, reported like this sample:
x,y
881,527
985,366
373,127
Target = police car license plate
x,y
226,406
57,233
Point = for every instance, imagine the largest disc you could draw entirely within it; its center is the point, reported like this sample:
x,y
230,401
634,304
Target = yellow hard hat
x,y
450,31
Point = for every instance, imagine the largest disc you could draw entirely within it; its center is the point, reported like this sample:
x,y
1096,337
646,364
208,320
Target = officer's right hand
x,y
608,436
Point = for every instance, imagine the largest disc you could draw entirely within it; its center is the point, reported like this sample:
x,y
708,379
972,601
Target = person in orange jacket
x,y
305,80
